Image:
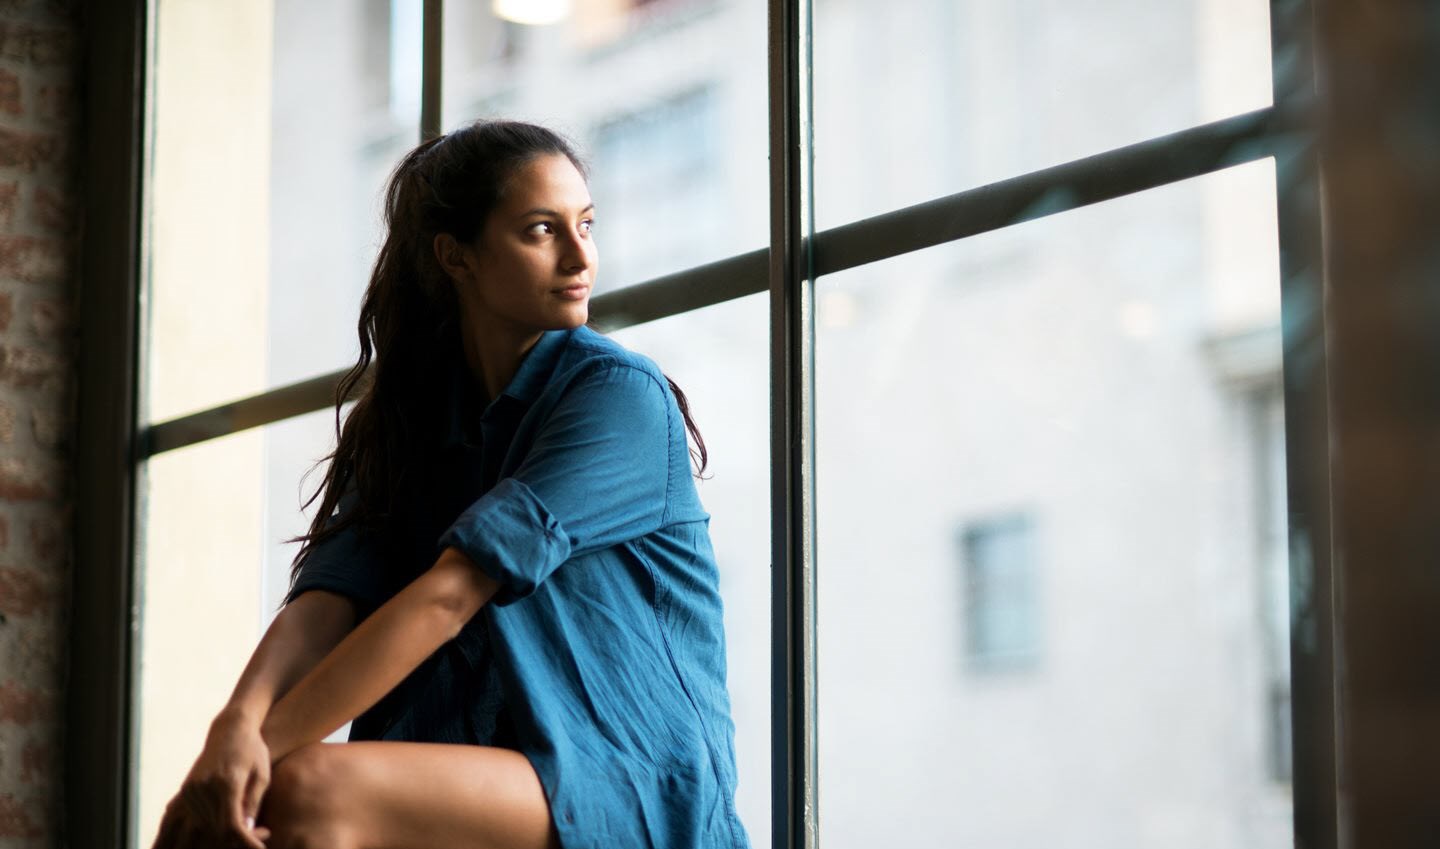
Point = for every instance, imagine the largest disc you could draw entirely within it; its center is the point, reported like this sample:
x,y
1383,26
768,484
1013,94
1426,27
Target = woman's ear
x,y
452,257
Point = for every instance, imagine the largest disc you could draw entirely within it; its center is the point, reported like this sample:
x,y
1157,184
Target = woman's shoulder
x,y
589,350
603,375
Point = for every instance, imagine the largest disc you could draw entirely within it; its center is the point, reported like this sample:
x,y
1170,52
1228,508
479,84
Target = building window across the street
x,y
1001,622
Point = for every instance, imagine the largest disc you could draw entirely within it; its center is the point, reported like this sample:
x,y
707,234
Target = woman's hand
x,y
218,802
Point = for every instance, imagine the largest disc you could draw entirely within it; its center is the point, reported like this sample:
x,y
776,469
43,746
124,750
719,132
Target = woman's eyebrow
x,y
540,210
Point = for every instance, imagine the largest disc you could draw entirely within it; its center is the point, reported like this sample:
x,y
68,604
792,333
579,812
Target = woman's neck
x,y
492,357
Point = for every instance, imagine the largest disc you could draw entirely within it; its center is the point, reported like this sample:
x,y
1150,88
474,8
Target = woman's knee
x,y
305,805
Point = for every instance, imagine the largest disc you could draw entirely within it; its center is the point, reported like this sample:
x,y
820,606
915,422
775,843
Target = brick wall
x,y
39,116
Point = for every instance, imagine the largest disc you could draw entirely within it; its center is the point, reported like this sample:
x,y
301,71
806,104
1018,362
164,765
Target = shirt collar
x,y
529,381
535,368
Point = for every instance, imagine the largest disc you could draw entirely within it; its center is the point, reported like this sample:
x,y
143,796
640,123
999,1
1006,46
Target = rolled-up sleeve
x,y
346,563
595,475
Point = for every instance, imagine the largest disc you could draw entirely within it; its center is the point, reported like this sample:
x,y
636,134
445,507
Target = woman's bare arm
x,y
301,635
379,653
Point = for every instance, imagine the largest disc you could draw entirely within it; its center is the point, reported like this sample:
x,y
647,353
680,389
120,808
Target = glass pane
x,y
1051,538
213,570
718,358
274,126
925,98
666,98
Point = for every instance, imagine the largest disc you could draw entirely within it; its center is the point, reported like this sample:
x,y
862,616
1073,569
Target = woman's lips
x,y
573,293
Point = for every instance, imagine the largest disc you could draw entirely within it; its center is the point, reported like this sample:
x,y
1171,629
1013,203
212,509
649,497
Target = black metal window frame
x,y
114,444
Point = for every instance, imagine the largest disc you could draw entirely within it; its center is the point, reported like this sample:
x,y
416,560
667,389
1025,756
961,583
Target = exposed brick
x,y
49,427
33,259
37,762
53,211
48,536
23,705
29,151
15,41
32,649
23,481
23,592
40,215
55,103
9,198
50,317
15,819
38,46
23,366
9,93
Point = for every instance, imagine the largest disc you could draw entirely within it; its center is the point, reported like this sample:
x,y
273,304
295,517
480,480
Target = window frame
x,y
98,758
113,444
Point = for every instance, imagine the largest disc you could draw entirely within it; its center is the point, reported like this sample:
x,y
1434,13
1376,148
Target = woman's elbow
x,y
457,588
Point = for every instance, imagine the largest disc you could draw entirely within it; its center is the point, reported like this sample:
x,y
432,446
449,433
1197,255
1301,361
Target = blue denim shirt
x,y
602,657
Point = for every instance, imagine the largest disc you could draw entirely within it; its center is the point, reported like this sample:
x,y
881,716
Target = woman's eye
x,y
541,228
587,225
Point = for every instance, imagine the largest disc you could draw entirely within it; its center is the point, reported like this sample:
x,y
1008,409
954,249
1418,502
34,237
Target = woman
x,y
510,518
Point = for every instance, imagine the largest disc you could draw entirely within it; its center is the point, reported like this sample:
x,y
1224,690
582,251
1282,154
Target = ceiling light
x,y
533,12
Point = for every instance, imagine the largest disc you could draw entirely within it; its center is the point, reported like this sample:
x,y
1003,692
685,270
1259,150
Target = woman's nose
x,y
579,252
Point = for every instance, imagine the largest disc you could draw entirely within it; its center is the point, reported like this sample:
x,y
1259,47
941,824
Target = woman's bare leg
x,y
374,795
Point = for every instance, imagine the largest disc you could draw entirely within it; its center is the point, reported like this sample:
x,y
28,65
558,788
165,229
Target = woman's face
x,y
533,264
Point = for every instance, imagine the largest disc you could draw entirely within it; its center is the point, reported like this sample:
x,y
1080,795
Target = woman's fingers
x,y
248,807
244,825
255,785
251,839
225,787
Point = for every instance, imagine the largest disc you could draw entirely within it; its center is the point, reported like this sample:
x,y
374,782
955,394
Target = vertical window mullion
x,y
793,693
1307,439
431,49
99,776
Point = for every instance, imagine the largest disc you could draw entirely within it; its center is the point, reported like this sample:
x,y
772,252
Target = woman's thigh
x,y
384,795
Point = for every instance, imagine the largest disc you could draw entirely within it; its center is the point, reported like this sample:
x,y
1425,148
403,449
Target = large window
x,y
997,471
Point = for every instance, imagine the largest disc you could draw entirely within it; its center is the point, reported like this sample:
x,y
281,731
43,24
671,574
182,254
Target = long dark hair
x,y
409,326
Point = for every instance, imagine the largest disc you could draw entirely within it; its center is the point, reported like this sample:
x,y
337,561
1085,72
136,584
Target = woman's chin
x,y
575,316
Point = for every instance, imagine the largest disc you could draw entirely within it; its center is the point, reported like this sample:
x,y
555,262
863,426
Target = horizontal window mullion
x,y
274,405
1146,165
